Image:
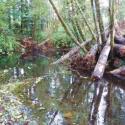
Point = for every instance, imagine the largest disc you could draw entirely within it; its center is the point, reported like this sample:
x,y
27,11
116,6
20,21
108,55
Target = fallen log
x,y
43,42
101,64
119,39
70,53
117,62
120,72
119,50
90,57
86,63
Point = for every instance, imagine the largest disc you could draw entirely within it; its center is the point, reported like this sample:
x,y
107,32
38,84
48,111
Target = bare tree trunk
x,y
112,20
80,30
100,21
72,15
95,20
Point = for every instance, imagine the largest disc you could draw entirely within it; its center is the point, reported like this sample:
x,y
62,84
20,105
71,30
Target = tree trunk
x,y
100,21
85,20
64,25
112,21
101,64
70,53
95,20
90,59
22,20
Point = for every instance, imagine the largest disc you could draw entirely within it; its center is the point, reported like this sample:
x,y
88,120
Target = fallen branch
x,y
101,64
43,42
70,53
120,72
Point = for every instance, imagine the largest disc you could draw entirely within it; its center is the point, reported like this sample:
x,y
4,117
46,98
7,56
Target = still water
x,y
37,93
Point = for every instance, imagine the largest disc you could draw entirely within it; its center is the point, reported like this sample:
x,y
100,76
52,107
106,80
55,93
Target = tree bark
x,y
120,72
85,20
100,21
94,17
112,21
90,59
101,64
70,53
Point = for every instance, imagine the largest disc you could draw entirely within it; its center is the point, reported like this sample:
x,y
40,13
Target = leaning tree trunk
x,y
101,64
64,25
85,20
70,53
95,20
73,20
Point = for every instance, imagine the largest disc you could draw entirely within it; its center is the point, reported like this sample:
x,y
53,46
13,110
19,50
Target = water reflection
x,y
18,72
54,84
91,103
54,117
61,98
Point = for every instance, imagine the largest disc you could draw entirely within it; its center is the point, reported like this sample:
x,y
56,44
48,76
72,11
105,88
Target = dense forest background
x,y
37,19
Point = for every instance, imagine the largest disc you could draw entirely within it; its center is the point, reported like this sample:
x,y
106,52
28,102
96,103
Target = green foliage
x,y
60,38
41,36
20,18
39,8
7,42
9,61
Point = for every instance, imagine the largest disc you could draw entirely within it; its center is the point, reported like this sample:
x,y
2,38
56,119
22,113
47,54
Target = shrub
x,y
7,42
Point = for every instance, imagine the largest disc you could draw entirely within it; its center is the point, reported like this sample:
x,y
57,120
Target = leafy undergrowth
x,y
12,110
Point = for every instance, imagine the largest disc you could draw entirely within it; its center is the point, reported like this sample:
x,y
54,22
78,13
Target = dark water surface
x,y
52,95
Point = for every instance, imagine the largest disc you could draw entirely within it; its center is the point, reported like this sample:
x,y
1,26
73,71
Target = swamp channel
x,y
37,93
